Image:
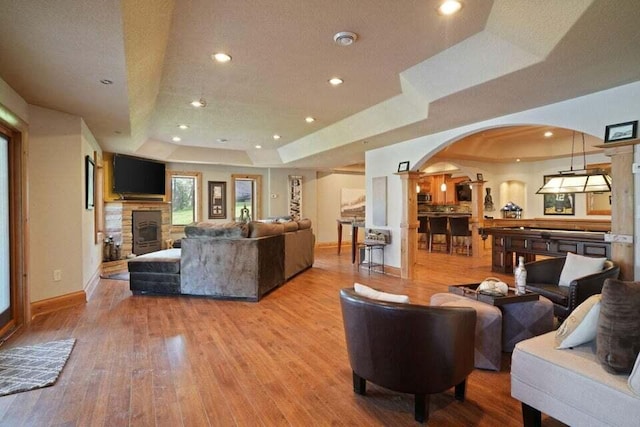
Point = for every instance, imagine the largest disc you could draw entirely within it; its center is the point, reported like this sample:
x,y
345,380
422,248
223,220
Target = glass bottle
x,y
520,275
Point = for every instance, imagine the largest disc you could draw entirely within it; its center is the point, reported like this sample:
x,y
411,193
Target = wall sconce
x,y
443,187
417,188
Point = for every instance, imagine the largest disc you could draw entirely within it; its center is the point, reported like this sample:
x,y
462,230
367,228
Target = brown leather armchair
x,y
543,277
408,348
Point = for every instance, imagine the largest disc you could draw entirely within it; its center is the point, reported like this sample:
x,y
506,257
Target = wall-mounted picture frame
x,y
217,199
559,203
621,131
479,177
403,166
90,168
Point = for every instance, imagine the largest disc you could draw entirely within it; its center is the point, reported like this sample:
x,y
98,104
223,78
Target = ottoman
x,y
488,347
524,320
155,273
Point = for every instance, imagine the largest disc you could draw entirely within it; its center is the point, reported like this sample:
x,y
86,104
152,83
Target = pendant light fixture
x,y
579,180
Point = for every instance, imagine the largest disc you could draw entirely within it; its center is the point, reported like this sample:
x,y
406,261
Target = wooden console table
x,y
354,235
530,242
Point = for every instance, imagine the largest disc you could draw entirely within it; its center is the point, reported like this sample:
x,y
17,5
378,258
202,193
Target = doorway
x,y
13,295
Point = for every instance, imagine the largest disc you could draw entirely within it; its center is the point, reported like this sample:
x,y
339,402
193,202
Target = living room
x,y
58,233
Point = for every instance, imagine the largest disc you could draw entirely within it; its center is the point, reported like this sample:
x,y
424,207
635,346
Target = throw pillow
x,y
368,292
634,378
618,339
576,266
581,326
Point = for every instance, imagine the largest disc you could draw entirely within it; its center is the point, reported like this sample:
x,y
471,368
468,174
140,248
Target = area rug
x,y
34,366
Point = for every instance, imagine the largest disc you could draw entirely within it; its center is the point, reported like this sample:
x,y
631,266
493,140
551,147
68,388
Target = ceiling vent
x,y
345,38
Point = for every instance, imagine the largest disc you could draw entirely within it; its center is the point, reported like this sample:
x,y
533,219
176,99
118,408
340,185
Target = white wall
x,y
589,114
61,230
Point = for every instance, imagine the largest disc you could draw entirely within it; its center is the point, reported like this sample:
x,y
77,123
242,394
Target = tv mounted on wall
x,y
132,175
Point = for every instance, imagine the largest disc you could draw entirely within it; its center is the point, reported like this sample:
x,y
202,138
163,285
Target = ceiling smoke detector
x,y
345,38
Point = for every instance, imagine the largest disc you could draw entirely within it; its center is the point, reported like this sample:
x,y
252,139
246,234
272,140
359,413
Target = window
x,y
186,197
246,196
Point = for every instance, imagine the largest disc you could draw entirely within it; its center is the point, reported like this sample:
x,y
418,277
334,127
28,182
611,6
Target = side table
x,y
369,248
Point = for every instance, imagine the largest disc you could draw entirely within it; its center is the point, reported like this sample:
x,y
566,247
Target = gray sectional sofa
x,y
234,260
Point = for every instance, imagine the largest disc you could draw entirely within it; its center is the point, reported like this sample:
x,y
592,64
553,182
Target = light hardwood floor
x,y
185,361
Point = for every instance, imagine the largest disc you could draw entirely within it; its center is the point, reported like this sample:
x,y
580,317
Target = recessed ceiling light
x,y
449,7
276,136
221,140
176,139
517,160
335,81
199,103
309,119
106,82
183,127
345,38
258,146
548,134
221,57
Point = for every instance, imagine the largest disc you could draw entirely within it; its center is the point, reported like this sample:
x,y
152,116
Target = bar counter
x,y
529,242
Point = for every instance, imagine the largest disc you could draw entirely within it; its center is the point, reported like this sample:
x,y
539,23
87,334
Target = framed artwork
x,y
217,199
559,204
352,203
621,131
479,177
295,197
90,176
403,166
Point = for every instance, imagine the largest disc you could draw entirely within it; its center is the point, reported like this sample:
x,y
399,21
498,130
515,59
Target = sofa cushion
x,y
290,226
261,229
618,339
576,266
211,229
570,386
581,326
368,292
304,223
165,261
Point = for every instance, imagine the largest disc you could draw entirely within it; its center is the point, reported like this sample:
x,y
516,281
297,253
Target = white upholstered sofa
x,y
570,385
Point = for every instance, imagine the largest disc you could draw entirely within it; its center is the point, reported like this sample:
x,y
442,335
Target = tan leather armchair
x,y
543,277
408,348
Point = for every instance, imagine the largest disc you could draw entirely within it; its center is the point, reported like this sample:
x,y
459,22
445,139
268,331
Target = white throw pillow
x,y
634,378
577,266
581,326
368,292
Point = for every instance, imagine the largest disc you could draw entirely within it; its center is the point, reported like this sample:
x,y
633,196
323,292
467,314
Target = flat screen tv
x,y
463,192
132,175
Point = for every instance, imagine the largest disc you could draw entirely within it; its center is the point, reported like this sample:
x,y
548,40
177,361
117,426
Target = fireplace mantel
x,y
118,220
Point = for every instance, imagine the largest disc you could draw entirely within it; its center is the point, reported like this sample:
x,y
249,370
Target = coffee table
x,y
523,316
470,291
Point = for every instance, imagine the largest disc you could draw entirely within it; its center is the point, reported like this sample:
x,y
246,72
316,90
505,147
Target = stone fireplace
x,y
119,223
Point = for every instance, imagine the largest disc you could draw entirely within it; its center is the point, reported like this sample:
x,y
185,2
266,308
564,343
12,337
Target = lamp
x,y
577,181
443,187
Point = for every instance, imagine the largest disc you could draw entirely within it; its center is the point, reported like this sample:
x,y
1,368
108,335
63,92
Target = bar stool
x,y
459,227
438,226
423,231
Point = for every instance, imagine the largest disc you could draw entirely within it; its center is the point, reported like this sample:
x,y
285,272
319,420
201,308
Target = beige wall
x,y
329,188
61,230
